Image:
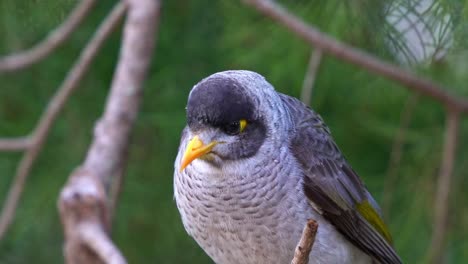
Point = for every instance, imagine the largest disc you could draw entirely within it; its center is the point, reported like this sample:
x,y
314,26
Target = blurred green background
x,y
198,38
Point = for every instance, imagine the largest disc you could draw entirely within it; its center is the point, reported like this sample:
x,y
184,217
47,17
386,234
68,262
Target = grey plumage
x,y
247,200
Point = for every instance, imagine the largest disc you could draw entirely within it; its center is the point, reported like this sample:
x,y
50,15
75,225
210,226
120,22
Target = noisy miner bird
x,y
254,165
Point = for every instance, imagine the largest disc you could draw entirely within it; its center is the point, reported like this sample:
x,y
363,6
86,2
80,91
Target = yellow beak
x,y
195,149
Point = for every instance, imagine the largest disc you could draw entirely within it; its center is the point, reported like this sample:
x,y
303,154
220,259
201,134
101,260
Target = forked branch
x,y
51,113
84,201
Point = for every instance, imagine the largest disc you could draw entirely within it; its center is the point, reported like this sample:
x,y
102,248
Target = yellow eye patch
x,y
242,124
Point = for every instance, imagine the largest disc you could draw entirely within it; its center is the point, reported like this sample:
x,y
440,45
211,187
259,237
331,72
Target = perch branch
x,y
311,75
303,248
51,113
444,183
350,54
54,39
84,203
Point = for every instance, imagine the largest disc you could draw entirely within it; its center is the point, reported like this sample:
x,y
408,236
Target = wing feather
x,y
332,185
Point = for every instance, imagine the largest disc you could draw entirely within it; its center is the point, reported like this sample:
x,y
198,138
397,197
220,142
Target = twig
x,y
444,182
358,57
309,80
396,153
14,144
303,248
54,39
83,200
51,113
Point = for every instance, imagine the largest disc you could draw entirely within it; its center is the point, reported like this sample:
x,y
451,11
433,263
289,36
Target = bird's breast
x,y
242,216
257,217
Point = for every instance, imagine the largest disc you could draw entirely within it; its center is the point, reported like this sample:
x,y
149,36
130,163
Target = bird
x,y
254,165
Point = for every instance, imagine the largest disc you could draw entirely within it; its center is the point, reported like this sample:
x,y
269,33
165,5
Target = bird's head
x,y
230,115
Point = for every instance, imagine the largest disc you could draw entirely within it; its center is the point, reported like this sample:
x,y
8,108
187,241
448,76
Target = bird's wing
x,y
335,189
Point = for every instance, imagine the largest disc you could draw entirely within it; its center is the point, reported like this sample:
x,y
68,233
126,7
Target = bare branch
x,y
302,252
309,80
51,113
444,184
54,39
14,144
347,53
84,204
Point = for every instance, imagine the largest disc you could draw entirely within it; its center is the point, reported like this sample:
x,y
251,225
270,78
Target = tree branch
x,y
444,183
14,144
309,80
347,53
84,203
51,113
54,39
302,252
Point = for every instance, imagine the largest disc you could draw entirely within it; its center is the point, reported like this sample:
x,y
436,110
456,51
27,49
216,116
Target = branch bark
x,y
303,248
444,183
29,57
84,202
49,116
350,54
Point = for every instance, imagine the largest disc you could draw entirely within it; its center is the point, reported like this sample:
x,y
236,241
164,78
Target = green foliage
x,y
198,38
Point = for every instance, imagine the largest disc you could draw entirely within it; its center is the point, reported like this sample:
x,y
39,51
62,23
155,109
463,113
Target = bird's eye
x,y
242,124
235,127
